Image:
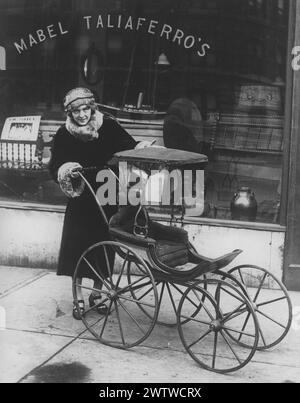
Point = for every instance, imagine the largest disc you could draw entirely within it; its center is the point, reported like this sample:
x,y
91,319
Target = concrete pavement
x,y
41,342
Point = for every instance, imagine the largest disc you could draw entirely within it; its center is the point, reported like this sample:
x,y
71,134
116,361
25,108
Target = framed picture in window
x,y
18,140
21,128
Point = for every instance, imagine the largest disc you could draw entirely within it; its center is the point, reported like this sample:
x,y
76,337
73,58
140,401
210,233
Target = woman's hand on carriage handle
x,y
145,144
75,171
67,172
70,169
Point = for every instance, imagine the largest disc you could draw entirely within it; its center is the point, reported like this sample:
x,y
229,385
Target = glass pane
x,y
204,76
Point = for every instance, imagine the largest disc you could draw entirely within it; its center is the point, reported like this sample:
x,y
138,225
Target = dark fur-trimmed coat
x,y
83,224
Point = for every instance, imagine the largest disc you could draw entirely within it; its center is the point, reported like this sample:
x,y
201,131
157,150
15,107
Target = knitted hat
x,y
77,97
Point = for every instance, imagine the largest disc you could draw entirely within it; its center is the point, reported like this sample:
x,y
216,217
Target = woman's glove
x,y
69,180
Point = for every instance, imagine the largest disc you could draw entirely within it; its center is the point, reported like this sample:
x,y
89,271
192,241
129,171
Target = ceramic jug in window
x,y
243,205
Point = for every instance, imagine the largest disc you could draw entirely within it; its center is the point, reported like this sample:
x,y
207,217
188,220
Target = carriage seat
x,y
171,243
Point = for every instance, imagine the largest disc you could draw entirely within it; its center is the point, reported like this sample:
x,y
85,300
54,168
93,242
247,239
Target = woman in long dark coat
x,y
88,138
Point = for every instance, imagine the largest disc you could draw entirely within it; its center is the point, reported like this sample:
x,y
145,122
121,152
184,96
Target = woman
x,y
88,138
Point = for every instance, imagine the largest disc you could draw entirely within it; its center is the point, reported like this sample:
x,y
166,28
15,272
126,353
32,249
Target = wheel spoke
x,y
268,317
230,293
95,306
171,298
200,338
163,284
137,301
271,301
122,270
238,331
161,295
196,320
206,310
218,296
242,279
103,279
120,326
231,348
192,302
145,293
108,265
132,317
98,267
259,287
231,315
245,324
261,333
178,289
127,287
92,289
136,287
215,350
105,319
141,269
96,321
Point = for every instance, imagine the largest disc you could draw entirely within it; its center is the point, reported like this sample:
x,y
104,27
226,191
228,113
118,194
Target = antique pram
x,y
222,317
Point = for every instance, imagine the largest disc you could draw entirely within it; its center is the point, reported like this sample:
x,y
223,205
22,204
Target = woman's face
x,y
82,115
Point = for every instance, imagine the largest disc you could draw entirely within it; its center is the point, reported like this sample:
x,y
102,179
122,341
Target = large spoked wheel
x,y
124,324
270,300
206,335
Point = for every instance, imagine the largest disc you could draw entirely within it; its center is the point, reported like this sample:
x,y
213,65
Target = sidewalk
x,y
43,343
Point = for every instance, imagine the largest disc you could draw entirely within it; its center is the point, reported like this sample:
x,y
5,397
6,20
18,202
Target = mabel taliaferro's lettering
x,y
117,22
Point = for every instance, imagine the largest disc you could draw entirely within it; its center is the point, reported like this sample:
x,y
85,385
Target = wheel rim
x,y
273,307
205,336
125,324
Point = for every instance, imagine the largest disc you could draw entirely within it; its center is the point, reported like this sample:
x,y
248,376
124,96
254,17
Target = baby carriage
x,y
222,315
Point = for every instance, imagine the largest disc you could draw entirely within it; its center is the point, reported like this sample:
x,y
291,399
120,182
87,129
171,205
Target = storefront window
x,y
209,74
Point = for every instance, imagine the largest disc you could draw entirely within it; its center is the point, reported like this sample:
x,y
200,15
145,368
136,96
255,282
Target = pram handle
x,y
95,168
81,171
84,170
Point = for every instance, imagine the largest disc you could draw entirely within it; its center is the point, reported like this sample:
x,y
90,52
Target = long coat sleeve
x,y
83,224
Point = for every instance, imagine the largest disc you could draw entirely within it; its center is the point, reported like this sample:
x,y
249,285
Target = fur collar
x,y
89,131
